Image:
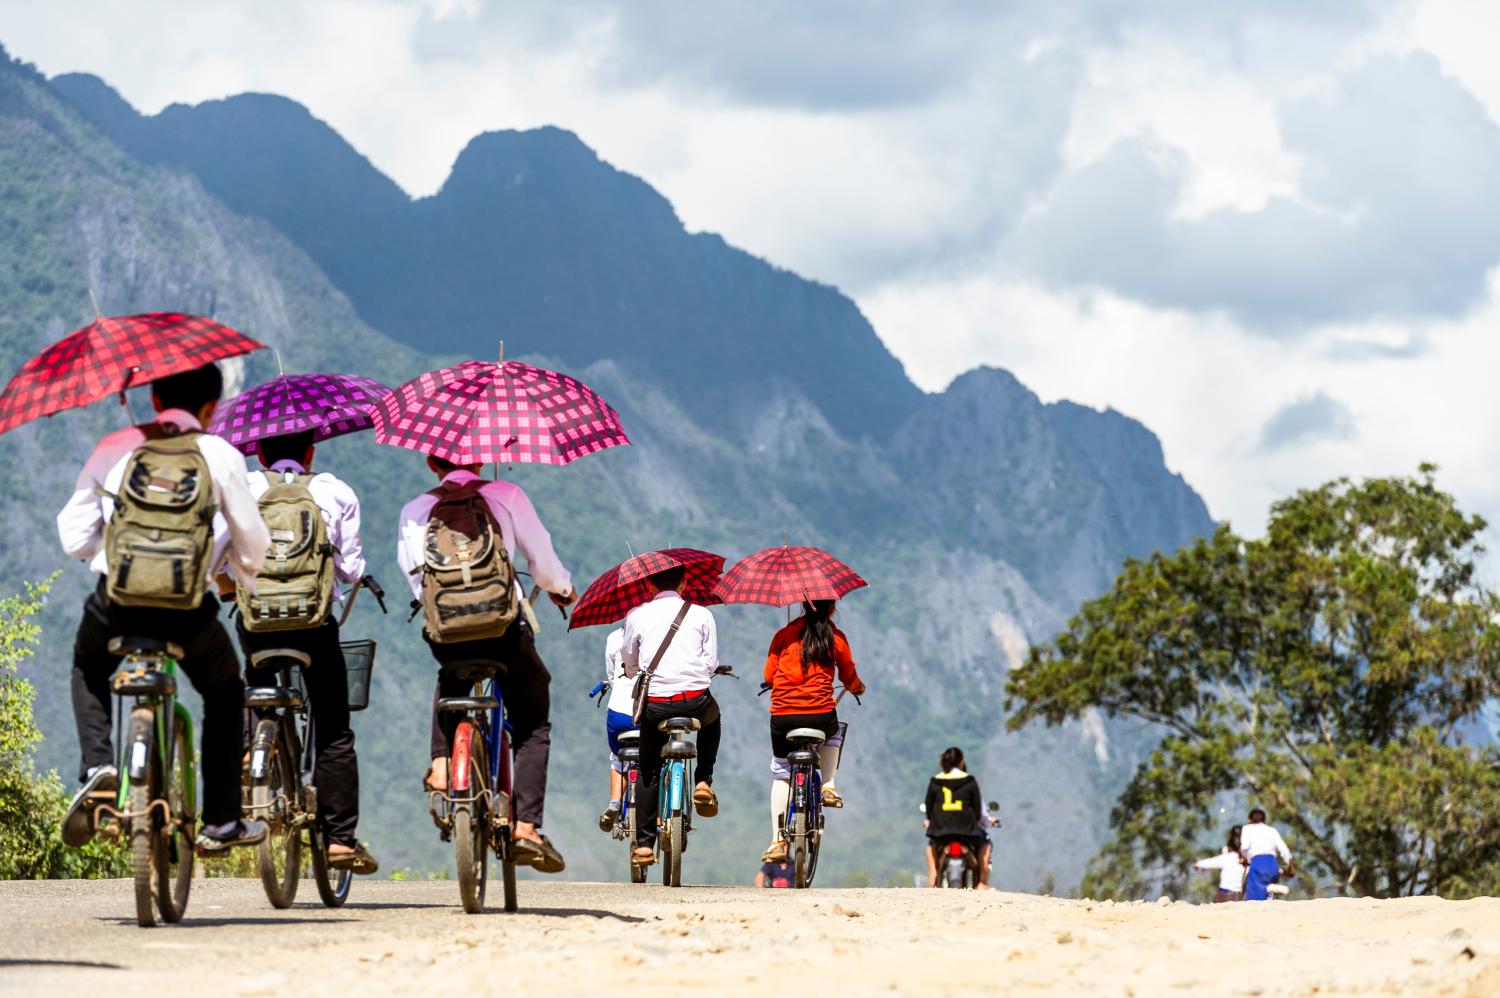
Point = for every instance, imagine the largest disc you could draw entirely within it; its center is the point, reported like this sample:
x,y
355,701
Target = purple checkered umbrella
x,y
479,412
329,405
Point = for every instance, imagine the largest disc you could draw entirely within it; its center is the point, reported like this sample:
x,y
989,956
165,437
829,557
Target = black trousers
x,y
337,770
525,686
706,709
208,661
784,724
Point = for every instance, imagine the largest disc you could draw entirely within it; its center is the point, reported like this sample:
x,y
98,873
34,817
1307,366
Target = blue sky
x,y
1268,230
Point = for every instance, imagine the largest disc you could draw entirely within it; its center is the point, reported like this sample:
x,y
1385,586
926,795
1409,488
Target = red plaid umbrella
x,y
623,588
483,411
110,355
787,575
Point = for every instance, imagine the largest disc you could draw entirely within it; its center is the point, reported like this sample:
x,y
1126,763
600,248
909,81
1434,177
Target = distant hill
x,y
761,405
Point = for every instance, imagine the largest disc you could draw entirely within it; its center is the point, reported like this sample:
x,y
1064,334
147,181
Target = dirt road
x,y
80,938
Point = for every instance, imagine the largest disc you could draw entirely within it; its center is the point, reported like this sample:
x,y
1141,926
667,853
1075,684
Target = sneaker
x,y
608,819
831,798
100,788
215,840
775,853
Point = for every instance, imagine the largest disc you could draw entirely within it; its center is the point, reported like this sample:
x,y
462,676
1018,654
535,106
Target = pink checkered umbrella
x,y
787,575
479,412
329,405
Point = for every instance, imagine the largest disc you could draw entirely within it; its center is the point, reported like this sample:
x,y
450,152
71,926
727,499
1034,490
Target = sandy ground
x,y
80,938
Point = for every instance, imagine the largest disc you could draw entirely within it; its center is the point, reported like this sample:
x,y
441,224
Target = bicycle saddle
x,y
629,754
631,737
144,682
261,659
144,646
679,724
467,704
806,735
473,669
266,697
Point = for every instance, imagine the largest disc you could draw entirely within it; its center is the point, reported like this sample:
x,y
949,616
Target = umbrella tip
x,y
502,352
95,303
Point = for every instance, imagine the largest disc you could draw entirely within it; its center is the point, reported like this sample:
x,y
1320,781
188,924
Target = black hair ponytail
x,y
817,634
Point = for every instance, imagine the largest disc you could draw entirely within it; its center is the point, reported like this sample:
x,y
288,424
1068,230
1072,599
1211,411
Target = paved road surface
x,y
572,938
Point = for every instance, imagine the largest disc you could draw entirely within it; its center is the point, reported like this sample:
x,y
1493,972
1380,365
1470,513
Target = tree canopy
x,y
1333,672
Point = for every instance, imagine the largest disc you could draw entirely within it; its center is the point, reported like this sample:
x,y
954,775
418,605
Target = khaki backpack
x,y
468,581
160,538
294,589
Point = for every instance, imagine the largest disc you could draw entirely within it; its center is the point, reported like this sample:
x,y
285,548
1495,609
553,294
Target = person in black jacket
x,y
954,812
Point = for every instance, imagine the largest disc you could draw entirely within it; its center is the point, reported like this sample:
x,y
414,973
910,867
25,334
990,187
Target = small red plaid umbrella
x,y
112,354
479,412
787,575
623,588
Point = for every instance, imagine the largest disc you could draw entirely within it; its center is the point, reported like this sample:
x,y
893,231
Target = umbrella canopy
x,y
110,355
623,588
506,412
787,575
328,405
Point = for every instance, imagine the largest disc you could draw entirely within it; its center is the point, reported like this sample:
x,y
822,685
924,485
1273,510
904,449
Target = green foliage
x,y
1333,672
32,804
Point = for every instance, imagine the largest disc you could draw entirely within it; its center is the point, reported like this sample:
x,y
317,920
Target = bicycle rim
x,y
175,837
279,855
142,855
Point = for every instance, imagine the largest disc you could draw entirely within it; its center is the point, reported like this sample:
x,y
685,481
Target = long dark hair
x,y
953,758
1233,845
817,633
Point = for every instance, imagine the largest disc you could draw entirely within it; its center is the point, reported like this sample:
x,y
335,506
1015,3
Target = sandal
x,y
831,798
775,853
643,856
541,856
706,802
359,861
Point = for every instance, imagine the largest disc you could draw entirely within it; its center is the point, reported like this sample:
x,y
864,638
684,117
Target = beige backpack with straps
x,y
294,589
468,581
160,537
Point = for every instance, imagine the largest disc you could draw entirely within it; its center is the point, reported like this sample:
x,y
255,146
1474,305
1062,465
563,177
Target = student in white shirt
x,y
337,776
616,722
1262,846
1231,867
184,403
525,683
679,688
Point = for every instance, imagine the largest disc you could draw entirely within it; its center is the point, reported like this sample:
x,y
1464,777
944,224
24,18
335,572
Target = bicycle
x,y
475,809
675,799
283,760
801,825
630,759
157,806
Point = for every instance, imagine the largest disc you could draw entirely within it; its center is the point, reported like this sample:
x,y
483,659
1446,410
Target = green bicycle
x,y
157,805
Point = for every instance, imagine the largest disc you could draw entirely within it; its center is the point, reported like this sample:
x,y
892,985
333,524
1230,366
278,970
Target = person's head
x,y
668,581
287,447
442,467
1233,842
196,391
1257,816
953,758
817,633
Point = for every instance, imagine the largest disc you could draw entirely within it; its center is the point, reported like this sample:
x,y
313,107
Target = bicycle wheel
x,y
672,844
507,870
174,836
333,885
142,745
275,801
470,823
801,877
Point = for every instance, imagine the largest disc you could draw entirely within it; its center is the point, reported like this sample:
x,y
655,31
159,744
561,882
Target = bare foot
x,y
339,849
525,830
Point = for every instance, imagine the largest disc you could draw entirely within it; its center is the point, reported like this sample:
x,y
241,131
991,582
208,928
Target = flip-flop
x,y
359,861
776,853
541,856
706,802
831,798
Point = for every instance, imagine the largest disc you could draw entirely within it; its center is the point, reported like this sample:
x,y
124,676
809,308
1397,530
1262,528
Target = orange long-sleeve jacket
x,y
796,689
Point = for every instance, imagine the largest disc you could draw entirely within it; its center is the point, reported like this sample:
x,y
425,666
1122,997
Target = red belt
x,y
689,695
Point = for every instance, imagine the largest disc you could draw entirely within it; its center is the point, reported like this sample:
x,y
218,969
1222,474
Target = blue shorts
x,y
615,724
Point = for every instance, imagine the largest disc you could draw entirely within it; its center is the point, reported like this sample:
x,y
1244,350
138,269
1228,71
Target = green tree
x,y
1333,671
31,803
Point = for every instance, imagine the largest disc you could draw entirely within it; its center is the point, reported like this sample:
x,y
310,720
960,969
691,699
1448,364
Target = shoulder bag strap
x,y
671,633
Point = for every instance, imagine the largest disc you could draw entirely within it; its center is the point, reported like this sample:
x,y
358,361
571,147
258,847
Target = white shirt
x,y
340,507
1260,839
620,687
1231,869
519,526
240,535
691,658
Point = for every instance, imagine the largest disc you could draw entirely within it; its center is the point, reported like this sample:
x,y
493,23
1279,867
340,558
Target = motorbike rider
x,y
955,813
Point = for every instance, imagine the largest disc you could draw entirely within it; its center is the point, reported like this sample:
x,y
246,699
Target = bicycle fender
x,y
463,749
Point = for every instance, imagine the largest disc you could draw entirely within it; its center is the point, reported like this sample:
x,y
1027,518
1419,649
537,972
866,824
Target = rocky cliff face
x,y
761,406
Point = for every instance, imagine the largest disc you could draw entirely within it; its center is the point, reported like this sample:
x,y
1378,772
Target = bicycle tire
x,y
333,885
508,873
637,871
279,855
675,840
800,878
470,832
142,855
175,846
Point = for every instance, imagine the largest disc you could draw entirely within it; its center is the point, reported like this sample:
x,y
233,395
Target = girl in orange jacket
x,y
800,667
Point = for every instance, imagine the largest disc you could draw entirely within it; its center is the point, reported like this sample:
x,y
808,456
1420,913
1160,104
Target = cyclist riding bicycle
x,y
616,722
955,812
800,667
160,590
